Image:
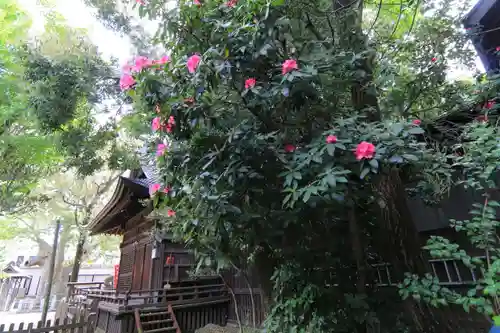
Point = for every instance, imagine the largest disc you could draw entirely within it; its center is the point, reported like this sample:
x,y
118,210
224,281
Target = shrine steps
x,y
160,320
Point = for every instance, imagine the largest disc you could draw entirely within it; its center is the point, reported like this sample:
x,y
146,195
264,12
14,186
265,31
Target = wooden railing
x,y
174,296
82,288
174,319
138,324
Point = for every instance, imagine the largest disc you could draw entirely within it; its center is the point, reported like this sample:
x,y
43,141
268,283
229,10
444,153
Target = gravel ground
x,y
210,328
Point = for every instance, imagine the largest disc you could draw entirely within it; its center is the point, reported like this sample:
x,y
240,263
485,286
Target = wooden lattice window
x,y
126,268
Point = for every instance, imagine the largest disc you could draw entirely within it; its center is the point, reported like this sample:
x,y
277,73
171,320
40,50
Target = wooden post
x,y
51,273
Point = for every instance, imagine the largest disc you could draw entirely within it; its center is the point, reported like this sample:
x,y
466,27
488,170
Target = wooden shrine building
x,y
154,291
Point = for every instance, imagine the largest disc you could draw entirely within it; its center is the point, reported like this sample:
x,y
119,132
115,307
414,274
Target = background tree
x,y
75,201
85,198
26,154
65,94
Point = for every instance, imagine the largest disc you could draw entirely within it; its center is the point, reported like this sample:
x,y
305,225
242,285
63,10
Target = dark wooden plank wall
x,y
191,319
135,261
157,265
183,262
242,292
456,205
108,322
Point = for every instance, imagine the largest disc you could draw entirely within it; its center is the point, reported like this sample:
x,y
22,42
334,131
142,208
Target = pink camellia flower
x,y
197,2
498,48
166,190
140,63
289,65
170,213
171,120
154,188
250,83
231,3
163,60
126,82
364,150
170,124
141,2
127,68
489,104
156,124
160,149
331,139
416,122
434,59
193,62
289,148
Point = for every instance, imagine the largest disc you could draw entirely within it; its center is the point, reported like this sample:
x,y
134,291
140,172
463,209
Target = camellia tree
x,y
286,134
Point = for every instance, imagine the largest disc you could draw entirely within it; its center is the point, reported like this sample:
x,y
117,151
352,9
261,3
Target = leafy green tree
x,y
26,153
56,122
287,134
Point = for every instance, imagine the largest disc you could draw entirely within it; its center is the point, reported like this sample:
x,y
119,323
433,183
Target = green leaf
x,y
496,320
397,128
341,179
330,179
307,195
410,157
373,163
416,130
287,198
330,149
364,173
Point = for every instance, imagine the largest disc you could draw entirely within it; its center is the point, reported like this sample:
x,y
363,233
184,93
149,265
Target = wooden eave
x,y
476,14
484,20
111,219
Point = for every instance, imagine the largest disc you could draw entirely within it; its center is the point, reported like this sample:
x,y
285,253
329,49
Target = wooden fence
x,y
82,324
12,288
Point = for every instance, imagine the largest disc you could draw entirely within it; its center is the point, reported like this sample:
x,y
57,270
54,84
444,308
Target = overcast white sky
x,y
110,45
80,16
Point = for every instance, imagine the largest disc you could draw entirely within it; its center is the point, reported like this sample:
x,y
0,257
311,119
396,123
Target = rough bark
x,y
57,282
235,301
399,243
265,269
357,251
399,240
82,239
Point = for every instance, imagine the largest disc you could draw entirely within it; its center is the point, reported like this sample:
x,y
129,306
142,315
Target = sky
x,y
110,44
80,16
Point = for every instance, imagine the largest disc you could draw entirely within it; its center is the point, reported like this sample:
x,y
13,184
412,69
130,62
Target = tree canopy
x,y
289,133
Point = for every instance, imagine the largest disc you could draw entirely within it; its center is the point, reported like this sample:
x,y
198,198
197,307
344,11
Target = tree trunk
x,y
399,244
265,269
57,281
51,265
399,240
78,256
